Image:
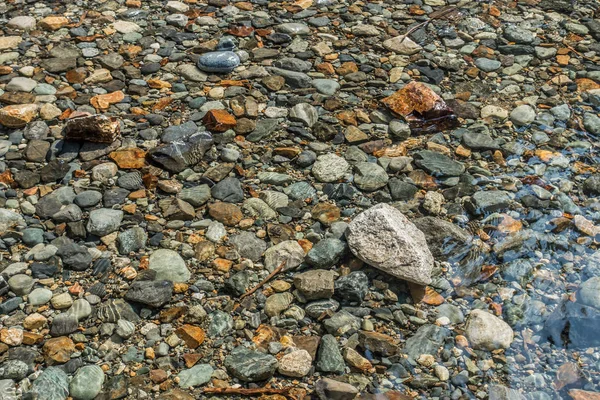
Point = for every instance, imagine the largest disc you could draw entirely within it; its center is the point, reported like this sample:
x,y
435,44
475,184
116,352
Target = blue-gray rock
x,y
151,293
326,253
132,239
250,366
87,383
329,357
228,190
195,376
51,384
169,266
248,245
224,60
104,221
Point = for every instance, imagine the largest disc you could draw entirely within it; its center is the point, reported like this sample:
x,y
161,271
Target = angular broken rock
x,y
219,120
94,128
177,156
385,239
422,108
18,115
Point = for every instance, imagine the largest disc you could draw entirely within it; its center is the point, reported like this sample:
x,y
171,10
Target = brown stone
x,y
58,350
308,343
347,68
158,375
273,82
192,335
219,121
53,22
176,209
379,343
76,75
326,213
205,250
93,128
13,98
422,108
171,314
578,394
129,158
103,101
191,359
228,214
30,338
19,115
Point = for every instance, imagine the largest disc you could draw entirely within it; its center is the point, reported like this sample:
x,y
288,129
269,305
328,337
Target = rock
x,y
250,366
385,239
487,332
104,221
402,45
487,65
522,115
326,253
169,266
444,238
438,164
176,156
330,168
152,293
51,384
219,121
369,176
94,128
224,60
87,383
426,340
9,220
17,116
329,389
304,113
22,22
295,364
315,284
329,357
58,350
278,303
21,84
196,376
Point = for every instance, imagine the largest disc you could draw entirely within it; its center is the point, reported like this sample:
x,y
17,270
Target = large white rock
x,y
385,239
487,332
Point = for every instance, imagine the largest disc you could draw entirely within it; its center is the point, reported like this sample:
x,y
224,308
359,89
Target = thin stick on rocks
x,y
247,392
425,23
262,283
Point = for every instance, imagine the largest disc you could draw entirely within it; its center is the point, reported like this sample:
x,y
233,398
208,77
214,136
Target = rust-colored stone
x,y
129,158
18,115
58,350
76,75
228,214
103,101
93,128
219,120
422,108
53,22
192,335
578,394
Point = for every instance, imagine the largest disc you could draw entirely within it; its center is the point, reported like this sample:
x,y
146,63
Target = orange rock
x,y
158,84
568,374
103,101
18,115
5,70
129,158
347,68
129,208
219,120
578,394
76,75
133,3
30,338
306,245
461,341
191,359
58,350
463,151
7,178
227,213
425,294
53,22
326,68
76,289
222,265
138,194
586,84
509,224
563,60
192,335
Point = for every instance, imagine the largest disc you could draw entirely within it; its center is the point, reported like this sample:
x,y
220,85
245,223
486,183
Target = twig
x,y
247,392
423,24
261,284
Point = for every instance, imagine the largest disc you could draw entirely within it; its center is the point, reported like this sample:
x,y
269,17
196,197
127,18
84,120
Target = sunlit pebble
x,y
155,46
442,321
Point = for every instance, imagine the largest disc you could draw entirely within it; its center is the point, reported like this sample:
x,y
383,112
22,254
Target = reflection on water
x,y
535,263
